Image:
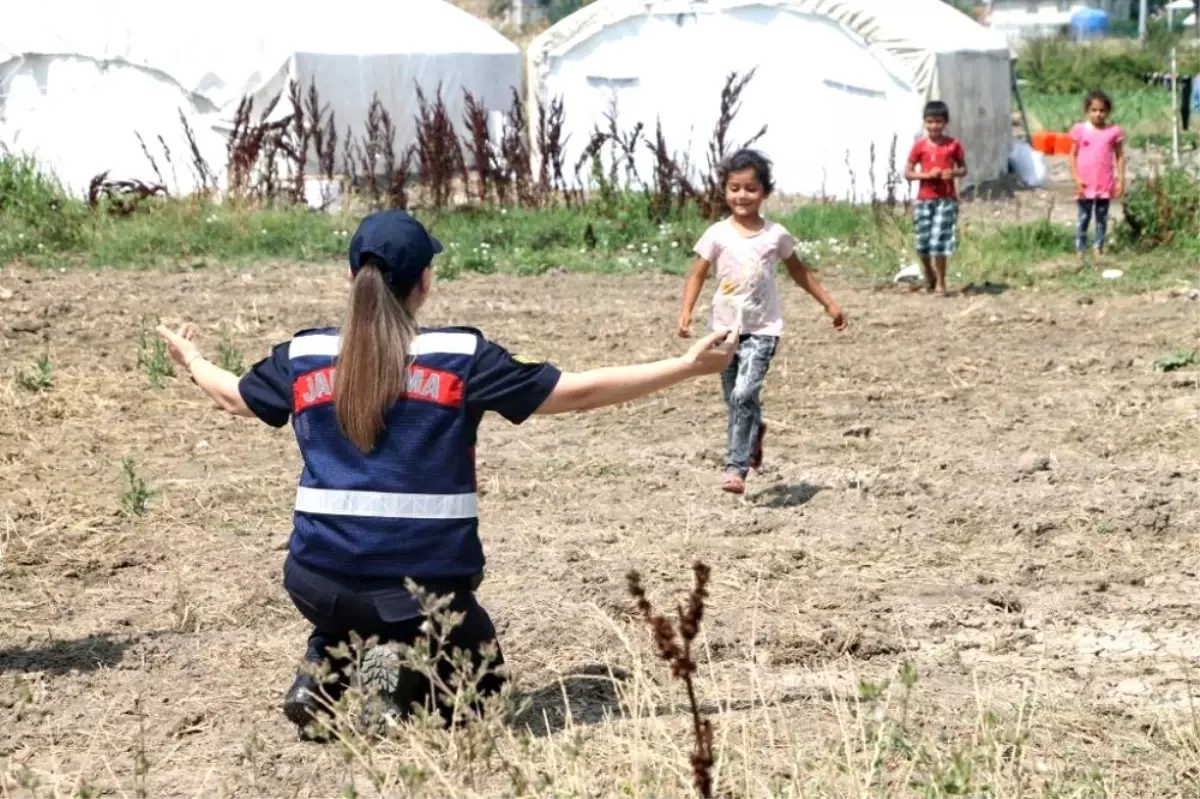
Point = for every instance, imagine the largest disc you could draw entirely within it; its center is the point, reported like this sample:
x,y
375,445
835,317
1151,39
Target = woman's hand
x,y
179,343
838,316
712,353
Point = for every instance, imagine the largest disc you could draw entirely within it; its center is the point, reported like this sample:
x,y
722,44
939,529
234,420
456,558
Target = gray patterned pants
x,y
741,385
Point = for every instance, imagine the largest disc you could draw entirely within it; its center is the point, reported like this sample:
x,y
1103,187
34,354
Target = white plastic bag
x,y
1029,164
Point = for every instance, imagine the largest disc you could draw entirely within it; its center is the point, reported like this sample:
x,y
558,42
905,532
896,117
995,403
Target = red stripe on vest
x,y
423,384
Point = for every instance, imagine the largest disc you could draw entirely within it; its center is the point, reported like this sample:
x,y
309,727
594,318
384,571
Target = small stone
x,y
28,326
1132,687
1085,301
6,294
1032,462
858,432
1005,601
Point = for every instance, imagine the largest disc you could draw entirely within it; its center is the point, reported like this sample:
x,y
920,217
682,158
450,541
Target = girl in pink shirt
x,y
1098,167
744,251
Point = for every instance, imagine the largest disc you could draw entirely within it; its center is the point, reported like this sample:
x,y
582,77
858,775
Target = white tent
x,y
79,79
834,77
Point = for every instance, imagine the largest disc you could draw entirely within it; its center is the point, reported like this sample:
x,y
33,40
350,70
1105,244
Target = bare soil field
x,y
997,489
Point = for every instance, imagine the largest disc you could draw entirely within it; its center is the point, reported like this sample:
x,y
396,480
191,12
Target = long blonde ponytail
x,y
372,366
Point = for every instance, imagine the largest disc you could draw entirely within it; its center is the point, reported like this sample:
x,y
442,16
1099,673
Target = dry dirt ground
x,y
998,488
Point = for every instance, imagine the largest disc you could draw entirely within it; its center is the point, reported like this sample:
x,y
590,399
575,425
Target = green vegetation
x,y
1155,236
137,495
1058,66
39,378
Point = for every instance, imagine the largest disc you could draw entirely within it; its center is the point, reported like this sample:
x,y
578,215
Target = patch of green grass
x,y
1177,360
42,225
229,357
41,378
532,242
152,357
137,494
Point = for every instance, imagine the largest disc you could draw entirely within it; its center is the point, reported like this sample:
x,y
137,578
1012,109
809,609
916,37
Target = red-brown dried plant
x,y
397,173
550,147
675,647
439,153
376,148
670,189
350,156
149,157
206,180
517,169
479,145
123,196
300,135
322,130
712,203
252,146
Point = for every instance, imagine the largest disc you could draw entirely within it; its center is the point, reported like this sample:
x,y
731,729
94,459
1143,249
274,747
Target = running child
x,y
1096,147
936,160
744,250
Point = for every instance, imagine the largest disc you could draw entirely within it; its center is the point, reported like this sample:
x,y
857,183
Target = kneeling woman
x,y
385,414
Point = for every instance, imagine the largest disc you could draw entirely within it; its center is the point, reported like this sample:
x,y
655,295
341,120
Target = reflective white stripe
x,y
326,345
386,506
439,343
445,344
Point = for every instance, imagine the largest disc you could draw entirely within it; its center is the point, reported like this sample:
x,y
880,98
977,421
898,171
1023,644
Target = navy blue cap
x,y
400,242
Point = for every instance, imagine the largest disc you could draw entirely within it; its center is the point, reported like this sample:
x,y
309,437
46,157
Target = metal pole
x,y
1143,13
1174,106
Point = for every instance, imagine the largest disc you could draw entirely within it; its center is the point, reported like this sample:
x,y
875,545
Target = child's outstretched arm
x,y
691,293
807,280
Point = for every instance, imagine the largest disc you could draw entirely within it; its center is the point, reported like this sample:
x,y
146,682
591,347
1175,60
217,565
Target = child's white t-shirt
x,y
745,270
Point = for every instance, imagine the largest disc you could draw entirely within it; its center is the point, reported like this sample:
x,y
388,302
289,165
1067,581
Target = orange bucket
x,y
1062,144
1043,142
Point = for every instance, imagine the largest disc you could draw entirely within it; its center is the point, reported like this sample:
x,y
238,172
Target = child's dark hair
x,y
748,159
1097,94
936,109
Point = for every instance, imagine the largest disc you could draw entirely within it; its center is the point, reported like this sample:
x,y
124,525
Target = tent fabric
x,y
58,58
861,67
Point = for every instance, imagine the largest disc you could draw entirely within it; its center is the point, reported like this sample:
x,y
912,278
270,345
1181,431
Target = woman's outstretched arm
x,y
612,385
220,384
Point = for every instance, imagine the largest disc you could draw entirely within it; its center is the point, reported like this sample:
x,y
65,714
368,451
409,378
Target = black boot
x,y
307,700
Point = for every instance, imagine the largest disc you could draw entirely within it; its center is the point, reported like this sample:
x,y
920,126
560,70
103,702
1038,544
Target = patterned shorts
x,y
937,226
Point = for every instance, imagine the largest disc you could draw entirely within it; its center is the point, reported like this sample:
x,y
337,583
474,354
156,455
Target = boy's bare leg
x,y
939,263
927,268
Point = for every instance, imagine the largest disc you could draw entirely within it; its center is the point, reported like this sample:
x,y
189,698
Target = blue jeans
x,y
1086,208
741,386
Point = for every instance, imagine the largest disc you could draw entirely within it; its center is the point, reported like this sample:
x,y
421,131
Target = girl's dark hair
x,y
372,365
936,109
1097,94
748,159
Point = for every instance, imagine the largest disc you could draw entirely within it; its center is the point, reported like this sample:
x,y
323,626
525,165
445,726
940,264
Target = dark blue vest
x,y
407,508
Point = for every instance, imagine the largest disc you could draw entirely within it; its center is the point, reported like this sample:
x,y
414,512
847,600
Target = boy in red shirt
x,y
936,160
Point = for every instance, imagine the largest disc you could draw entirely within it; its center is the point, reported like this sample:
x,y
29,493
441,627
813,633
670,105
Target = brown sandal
x,y
734,484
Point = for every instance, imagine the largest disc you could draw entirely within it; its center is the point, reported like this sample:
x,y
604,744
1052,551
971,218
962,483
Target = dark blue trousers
x,y
335,606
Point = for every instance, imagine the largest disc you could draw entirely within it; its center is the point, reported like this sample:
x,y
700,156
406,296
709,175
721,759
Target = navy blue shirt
x,y
496,382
